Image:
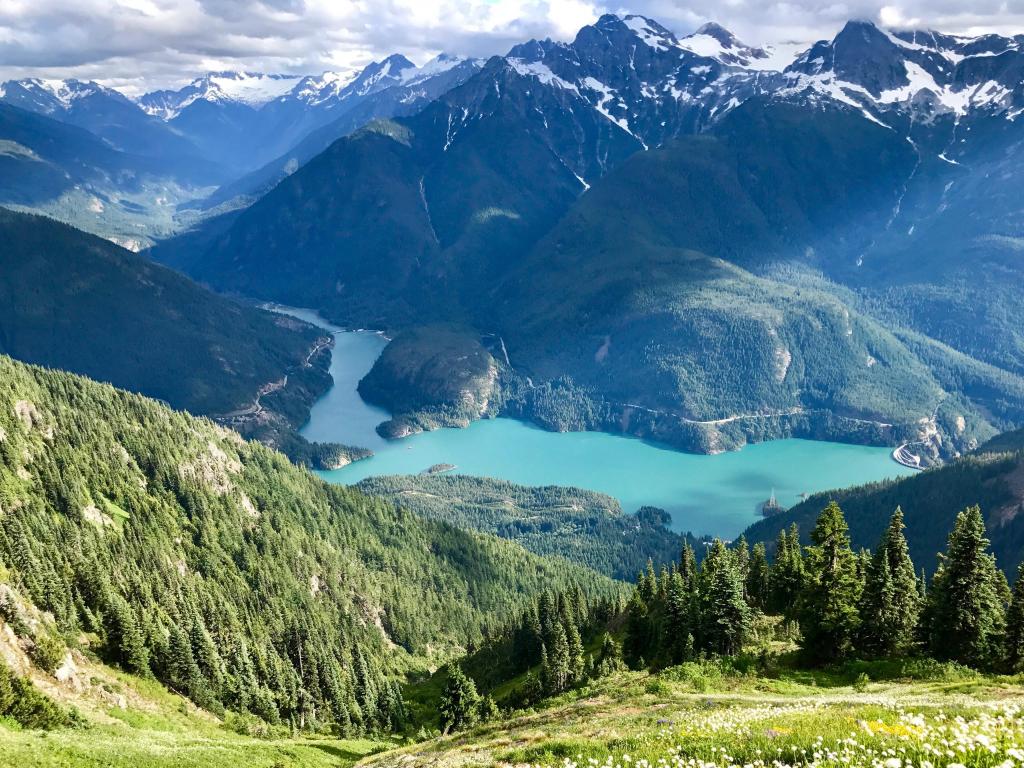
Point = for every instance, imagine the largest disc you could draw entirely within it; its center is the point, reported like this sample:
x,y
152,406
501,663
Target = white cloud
x,y
144,43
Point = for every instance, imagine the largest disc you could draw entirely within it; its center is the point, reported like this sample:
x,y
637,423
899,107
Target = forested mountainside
x,y
74,301
611,166
179,550
582,526
991,478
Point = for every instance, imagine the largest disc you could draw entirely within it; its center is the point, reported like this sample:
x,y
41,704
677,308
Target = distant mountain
x,y
532,201
418,86
249,119
73,301
119,122
68,173
250,89
172,148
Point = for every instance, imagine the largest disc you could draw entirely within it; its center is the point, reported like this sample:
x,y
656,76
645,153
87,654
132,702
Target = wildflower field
x,y
696,716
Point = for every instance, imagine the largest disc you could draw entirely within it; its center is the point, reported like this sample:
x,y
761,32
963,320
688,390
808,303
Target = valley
x,y
511,384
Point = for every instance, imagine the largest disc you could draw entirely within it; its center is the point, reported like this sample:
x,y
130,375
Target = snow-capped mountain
x,y
922,74
115,119
252,89
249,118
533,130
48,97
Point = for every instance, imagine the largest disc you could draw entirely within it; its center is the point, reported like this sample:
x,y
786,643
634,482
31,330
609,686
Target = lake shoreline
x,y
705,493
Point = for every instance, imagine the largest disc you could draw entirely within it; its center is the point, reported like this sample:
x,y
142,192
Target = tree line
x,y
841,604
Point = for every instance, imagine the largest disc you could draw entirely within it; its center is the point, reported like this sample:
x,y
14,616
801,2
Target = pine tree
x,y
610,658
891,604
828,601
460,702
966,613
741,554
648,584
758,583
184,672
557,674
878,609
638,640
1015,626
576,652
676,625
688,566
787,573
125,639
725,615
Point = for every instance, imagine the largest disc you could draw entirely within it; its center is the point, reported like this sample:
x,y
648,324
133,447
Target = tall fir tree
x,y
758,578
677,624
891,603
460,701
725,615
637,645
787,573
828,601
1015,626
965,618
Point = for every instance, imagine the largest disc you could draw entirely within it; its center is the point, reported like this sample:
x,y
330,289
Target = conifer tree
x,y
637,645
125,639
787,573
890,605
966,614
828,601
575,652
725,615
741,553
460,702
758,583
184,672
610,658
558,671
676,625
1015,626
688,566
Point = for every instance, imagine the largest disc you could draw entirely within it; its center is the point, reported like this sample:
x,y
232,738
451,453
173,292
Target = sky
x,y
139,45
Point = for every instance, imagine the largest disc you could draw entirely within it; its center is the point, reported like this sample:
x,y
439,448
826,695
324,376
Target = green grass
x,y
131,747
156,727
710,713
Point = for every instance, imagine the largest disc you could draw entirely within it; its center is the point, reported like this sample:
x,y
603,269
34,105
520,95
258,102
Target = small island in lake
x,y
438,469
771,506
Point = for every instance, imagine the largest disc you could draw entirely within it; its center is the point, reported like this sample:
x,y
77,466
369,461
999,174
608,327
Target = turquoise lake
x,y
718,495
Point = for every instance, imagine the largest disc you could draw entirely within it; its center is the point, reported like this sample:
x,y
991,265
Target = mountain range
x,y
707,242
240,131
652,216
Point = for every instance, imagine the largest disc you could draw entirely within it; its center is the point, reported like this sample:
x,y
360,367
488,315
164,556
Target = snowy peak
x,y
651,33
439,65
922,73
251,89
714,41
50,97
380,75
332,87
